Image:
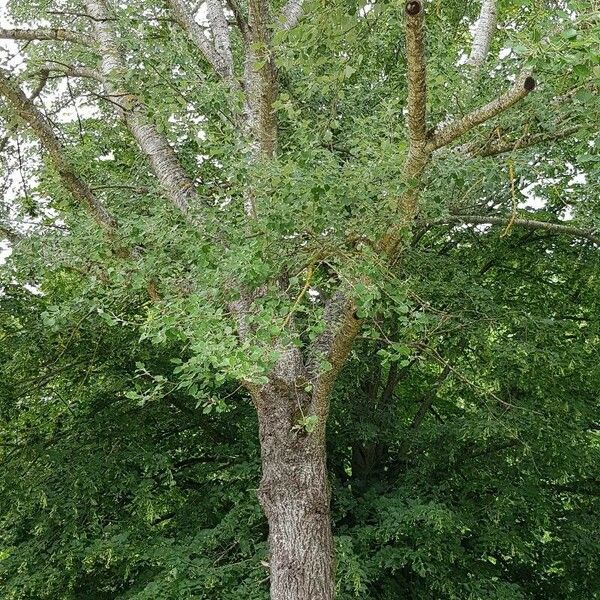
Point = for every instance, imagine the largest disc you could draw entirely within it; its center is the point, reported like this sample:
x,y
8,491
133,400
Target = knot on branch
x,y
413,8
529,83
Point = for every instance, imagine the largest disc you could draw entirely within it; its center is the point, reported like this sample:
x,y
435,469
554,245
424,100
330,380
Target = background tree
x,y
310,224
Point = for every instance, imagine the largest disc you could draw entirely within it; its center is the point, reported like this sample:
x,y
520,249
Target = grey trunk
x,y
294,494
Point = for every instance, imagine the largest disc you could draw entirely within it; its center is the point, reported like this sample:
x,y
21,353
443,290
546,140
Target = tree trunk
x,y
294,494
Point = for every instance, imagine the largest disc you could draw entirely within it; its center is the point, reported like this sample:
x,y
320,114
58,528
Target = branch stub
x,y
413,8
529,84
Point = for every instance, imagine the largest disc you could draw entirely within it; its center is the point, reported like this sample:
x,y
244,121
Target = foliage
x,y
463,435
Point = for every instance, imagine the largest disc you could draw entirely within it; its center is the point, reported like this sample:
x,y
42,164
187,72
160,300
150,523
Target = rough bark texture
x,y
294,490
220,30
333,345
295,497
261,81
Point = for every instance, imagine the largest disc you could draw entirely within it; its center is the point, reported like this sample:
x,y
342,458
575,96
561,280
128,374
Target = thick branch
x,y
79,189
261,80
448,133
484,31
527,223
418,151
332,347
174,181
43,33
27,111
41,84
184,16
291,13
220,31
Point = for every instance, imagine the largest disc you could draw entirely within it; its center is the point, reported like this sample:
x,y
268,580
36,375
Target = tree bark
x,y
175,182
484,31
294,494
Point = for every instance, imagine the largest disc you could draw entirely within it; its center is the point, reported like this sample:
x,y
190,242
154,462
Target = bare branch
x,y
72,13
484,31
291,13
44,33
174,181
72,71
494,148
527,223
220,31
10,234
240,17
448,133
27,111
41,84
184,16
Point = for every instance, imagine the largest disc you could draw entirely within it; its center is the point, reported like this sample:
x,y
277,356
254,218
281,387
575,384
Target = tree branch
x,y
427,402
484,31
494,148
291,13
27,111
44,73
450,132
418,151
220,31
240,17
184,16
175,183
261,80
332,347
44,33
341,324
72,71
425,406
527,223
416,66
10,234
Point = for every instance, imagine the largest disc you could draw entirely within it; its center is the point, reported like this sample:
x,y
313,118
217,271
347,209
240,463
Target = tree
x,y
299,183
